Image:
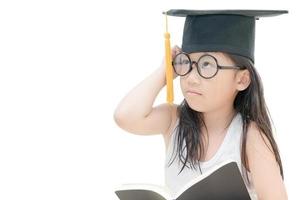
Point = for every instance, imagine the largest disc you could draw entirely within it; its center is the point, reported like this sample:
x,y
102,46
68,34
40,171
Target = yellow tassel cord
x,y
169,70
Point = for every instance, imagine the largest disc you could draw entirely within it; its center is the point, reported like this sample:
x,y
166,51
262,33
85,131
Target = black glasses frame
x,y
198,68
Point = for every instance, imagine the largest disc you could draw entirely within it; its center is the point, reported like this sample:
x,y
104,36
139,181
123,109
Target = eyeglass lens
x,y
207,65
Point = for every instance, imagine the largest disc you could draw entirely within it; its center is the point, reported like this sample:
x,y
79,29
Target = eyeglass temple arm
x,y
230,67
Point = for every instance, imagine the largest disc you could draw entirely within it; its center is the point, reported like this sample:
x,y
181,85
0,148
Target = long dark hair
x,y
249,103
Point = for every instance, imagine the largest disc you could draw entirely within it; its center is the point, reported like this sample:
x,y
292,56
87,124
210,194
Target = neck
x,y
218,120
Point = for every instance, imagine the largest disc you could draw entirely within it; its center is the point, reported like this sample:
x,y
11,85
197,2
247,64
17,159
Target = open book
x,y
224,182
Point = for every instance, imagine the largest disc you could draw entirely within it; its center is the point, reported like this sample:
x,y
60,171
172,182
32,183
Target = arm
x,y
264,169
135,112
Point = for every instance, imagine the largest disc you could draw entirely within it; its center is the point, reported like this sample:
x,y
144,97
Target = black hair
x,y
250,103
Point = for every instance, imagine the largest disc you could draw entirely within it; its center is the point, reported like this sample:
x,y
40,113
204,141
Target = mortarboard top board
x,y
230,31
249,13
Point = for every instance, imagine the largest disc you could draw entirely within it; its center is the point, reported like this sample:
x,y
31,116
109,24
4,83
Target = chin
x,y
196,106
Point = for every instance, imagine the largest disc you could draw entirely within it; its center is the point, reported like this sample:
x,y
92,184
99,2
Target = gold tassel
x,y
169,70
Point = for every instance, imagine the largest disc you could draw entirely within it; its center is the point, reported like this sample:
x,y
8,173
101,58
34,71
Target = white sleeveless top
x,y
229,149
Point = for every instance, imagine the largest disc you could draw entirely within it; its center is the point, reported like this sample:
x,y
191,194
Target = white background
x,y
64,66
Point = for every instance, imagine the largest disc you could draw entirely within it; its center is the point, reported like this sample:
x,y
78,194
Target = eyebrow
x,y
205,53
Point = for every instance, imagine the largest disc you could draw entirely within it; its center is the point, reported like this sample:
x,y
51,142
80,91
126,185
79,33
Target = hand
x,y
174,51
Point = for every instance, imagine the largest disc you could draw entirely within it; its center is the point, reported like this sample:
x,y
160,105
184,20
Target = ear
x,y
242,79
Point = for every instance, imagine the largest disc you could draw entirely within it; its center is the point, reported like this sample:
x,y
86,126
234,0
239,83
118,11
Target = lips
x,y
193,92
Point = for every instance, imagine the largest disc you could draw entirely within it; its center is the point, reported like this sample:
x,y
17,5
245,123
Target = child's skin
x,y
136,114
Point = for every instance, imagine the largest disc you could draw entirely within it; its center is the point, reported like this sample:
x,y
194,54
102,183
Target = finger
x,y
175,50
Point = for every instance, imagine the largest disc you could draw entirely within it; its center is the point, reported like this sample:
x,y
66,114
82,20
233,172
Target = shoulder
x,y
258,147
258,144
257,141
262,165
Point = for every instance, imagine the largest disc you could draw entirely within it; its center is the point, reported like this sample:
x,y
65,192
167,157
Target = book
x,y
224,182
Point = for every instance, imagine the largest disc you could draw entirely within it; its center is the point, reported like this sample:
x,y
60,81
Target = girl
x,y
223,115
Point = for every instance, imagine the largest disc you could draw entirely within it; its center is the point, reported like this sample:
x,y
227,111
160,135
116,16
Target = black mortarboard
x,y
231,31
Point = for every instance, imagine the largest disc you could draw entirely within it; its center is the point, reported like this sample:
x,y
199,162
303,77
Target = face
x,y
213,93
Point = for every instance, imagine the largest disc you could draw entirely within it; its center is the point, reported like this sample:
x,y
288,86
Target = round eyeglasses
x,y
207,65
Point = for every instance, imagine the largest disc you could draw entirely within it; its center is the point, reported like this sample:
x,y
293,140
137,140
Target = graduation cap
x,y
230,31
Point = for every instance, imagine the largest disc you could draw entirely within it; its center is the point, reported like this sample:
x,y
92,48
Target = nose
x,y
193,75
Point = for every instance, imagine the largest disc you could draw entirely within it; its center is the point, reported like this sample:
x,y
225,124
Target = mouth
x,y
192,92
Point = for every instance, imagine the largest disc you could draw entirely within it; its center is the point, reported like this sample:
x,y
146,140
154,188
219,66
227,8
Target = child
x,y
223,114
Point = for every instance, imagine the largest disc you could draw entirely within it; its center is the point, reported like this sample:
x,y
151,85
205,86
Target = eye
x,y
205,64
182,62
185,62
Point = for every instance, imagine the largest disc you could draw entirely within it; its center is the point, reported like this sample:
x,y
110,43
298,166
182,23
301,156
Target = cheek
x,y
181,82
218,94
224,91
182,85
